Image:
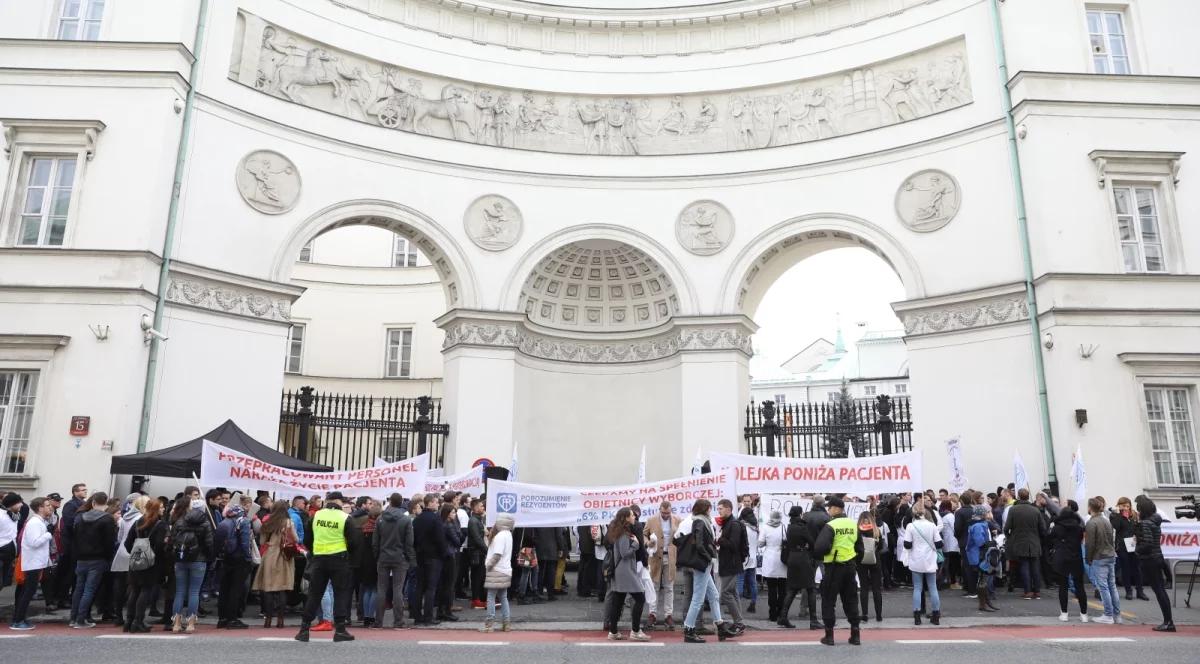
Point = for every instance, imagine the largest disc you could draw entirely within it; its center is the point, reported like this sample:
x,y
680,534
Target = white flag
x,y
850,449
1079,475
512,467
698,464
1020,477
958,474
641,478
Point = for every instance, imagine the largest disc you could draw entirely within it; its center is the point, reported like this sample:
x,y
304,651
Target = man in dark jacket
x,y
64,573
585,584
817,517
429,538
1025,529
477,547
232,540
733,548
962,521
94,539
546,542
394,556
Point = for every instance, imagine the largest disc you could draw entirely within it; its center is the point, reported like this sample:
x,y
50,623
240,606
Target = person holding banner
x,y
332,538
796,554
626,579
839,547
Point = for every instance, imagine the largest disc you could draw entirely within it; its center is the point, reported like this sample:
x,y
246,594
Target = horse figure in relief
x,y
318,69
454,107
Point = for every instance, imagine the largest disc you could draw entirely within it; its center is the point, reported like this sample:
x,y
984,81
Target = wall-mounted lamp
x,y
1048,340
100,330
1022,131
1080,417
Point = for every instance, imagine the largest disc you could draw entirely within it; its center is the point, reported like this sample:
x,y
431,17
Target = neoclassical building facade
x,y
605,190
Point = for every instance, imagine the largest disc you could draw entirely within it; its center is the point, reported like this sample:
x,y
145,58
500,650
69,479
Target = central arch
x,y
457,277
777,249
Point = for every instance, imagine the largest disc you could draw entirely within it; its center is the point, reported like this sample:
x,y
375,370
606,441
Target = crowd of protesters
x,y
143,561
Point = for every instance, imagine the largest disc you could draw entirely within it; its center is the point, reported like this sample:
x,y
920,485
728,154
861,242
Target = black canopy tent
x,y
183,460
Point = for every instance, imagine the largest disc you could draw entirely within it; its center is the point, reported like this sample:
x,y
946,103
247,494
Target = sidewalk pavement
x,y
570,612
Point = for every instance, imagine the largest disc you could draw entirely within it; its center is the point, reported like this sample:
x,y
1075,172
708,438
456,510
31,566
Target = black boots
x,y
814,623
725,631
302,635
690,636
935,618
855,636
1165,627
916,617
828,638
340,634
785,609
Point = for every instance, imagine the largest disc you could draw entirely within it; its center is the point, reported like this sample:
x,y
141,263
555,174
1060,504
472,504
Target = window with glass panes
x,y
43,217
403,253
18,390
1110,50
1172,435
901,388
869,390
295,349
1138,226
306,252
780,399
80,19
399,353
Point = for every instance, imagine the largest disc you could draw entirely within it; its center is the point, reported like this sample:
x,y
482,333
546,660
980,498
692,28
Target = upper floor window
x,y
398,363
1172,435
1138,228
306,252
1110,48
869,390
49,181
18,390
901,388
404,254
295,349
780,399
80,19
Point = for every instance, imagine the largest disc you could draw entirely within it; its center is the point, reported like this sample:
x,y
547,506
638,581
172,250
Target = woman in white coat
x,y
770,549
35,557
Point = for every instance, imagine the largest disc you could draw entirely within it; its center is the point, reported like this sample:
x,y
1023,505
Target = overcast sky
x,y
805,303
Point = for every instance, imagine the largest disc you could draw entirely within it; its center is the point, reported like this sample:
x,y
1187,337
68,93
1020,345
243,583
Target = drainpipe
x,y
164,271
1014,160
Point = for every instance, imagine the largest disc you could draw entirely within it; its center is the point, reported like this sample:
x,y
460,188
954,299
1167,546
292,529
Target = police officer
x,y
839,545
329,539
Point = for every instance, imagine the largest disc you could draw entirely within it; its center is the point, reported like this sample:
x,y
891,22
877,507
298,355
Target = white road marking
x,y
1092,639
156,637
779,643
621,643
462,643
15,636
935,641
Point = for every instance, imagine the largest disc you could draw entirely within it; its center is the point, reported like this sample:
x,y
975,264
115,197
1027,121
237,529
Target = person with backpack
x,y
233,540
982,555
870,574
191,550
146,552
93,538
35,541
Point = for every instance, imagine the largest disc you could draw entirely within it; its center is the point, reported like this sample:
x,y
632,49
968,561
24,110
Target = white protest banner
x,y
958,474
1079,476
436,481
221,466
1020,475
536,505
783,502
1180,540
861,476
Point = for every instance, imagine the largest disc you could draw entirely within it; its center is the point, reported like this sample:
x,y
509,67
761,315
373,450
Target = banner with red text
x,y
470,482
535,505
860,476
1180,540
221,466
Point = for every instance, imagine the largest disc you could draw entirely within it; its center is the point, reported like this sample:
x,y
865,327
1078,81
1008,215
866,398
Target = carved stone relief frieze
x,y
928,200
228,298
268,181
704,228
533,344
295,68
965,316
493,222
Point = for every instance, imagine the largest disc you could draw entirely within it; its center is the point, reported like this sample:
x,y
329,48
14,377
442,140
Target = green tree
x,y
842,426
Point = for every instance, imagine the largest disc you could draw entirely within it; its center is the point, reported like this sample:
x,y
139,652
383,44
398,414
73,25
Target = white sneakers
x,y
1104,620
1063,616
639,636
615,636
1083,617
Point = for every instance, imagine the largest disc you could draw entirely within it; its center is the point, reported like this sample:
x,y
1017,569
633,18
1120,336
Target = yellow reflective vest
x,y
845,533
329,532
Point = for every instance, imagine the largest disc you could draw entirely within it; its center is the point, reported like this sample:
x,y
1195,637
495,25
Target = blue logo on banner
x,y
507,502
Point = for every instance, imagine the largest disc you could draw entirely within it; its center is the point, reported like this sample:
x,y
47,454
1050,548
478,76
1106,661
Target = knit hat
x,y
979,510
235,512
13,499
775,519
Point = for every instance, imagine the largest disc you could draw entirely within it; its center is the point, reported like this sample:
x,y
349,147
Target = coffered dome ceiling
x,y
601,286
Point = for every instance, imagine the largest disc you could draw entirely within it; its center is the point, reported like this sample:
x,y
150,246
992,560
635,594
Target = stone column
x,y
715,384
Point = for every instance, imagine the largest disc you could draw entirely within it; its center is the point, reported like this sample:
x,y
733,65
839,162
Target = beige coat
x,y
276,573
654,527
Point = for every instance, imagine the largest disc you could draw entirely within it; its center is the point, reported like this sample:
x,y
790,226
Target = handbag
x,y
527,557
290,547
941,557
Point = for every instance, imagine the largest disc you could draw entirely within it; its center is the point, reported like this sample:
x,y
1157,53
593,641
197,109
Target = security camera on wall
x,y
148,328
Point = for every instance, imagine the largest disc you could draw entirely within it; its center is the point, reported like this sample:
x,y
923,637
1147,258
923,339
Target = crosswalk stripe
x,y
1091,639
620,643
778,643
462,643
155,637
15,636
934,641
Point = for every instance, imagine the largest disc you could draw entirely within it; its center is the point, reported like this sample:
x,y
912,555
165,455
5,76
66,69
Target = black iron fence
x,y
882,425
350,431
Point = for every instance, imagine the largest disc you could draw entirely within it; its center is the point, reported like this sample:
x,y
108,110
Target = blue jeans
x,y
1105,570
327,604
929,580
703,588
749,578
492,595
188,578
88,574
366,591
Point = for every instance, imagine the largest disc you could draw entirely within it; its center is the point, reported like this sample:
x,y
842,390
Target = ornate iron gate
x,y
351,431
882,425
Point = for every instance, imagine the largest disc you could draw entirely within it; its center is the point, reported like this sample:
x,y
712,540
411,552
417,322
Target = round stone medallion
x,y
268,181
493,222
704,228
928,200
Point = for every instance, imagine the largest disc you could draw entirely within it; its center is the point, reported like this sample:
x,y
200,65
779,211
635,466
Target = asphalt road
x,y
1061,645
